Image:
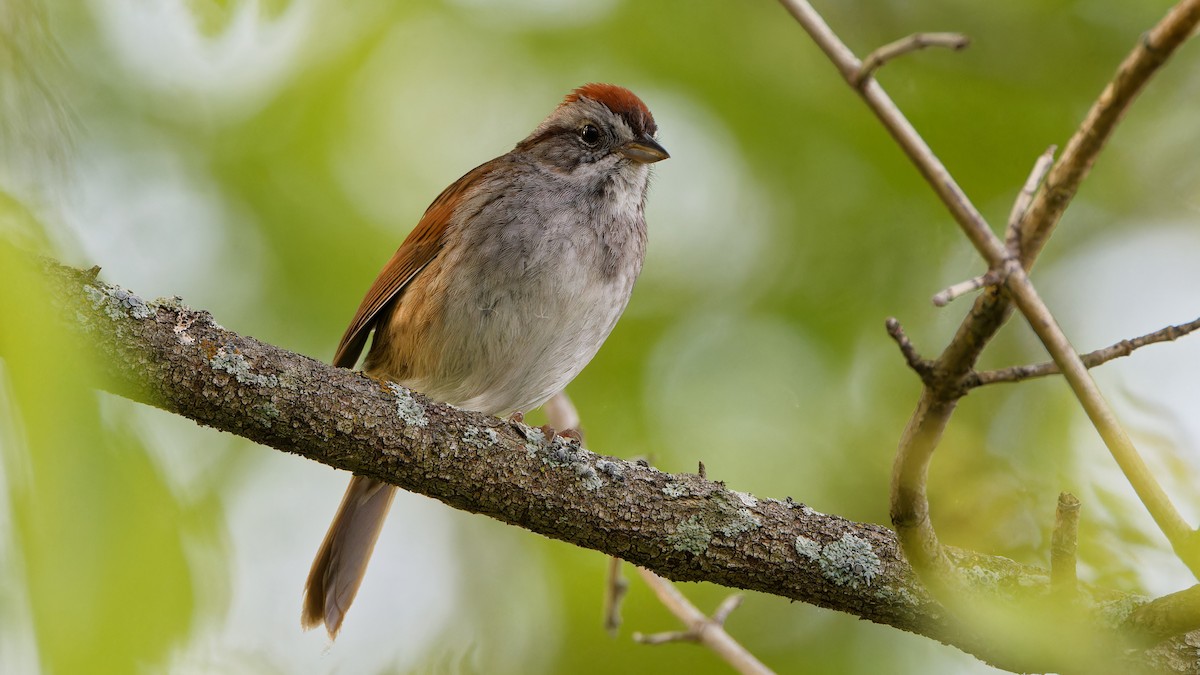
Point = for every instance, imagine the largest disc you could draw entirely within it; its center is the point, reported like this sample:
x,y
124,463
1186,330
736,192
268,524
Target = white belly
x,y
523,327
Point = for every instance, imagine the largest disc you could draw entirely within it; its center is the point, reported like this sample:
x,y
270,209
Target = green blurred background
x,y
263,159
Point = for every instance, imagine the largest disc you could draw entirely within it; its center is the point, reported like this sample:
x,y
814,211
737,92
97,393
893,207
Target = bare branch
x,y
909,500
701,629
1091,359
1147,56
915,42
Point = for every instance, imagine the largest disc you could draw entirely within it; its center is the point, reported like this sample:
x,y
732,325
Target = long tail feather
x,y
342,559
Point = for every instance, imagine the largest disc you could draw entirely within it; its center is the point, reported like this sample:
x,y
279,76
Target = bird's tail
x,y
342,559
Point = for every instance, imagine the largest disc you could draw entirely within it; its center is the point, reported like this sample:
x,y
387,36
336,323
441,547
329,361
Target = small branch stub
x,y
923,367
726,608
952,293
1064,543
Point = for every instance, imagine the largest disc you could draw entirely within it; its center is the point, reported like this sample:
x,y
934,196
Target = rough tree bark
x,y
680,526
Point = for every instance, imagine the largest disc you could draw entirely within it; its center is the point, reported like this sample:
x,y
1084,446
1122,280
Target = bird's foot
x,y
569,434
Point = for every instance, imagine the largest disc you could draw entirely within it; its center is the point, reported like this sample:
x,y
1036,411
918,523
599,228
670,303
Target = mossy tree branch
x,y
681,526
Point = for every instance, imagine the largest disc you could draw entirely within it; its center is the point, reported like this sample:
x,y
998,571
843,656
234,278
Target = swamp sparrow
x,y
502,293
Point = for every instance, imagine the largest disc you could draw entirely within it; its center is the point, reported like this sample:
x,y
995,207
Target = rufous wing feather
x,y
418,250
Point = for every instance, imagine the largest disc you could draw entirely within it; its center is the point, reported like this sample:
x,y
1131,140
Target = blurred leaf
x,y
96,527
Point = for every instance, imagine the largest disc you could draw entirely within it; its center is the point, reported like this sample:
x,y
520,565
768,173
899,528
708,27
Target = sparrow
x,y
501,294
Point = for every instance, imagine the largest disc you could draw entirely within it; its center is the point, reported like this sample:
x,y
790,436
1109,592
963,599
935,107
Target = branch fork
x,y
694,633
701,629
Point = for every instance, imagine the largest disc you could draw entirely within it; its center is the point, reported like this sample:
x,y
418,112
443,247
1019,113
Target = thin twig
x,y
615,589
923,367
1091,359
906,45
1063,544
723,610
952,293
666,637
701,629
1012,239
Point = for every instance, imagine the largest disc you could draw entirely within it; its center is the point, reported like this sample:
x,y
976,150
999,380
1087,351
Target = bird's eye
x,y
589,134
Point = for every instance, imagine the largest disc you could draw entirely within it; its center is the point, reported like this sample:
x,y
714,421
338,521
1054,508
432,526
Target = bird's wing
x,y
419,249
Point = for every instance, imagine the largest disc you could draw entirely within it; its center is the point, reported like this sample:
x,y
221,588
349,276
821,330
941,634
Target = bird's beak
x,y
644,150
